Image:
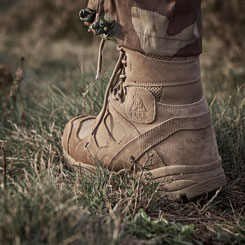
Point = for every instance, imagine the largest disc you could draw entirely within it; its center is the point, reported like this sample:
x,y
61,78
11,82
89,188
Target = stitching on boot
x,y
152,159
140,109
163,83
70,133
187,169
199,122
124,118
189,62
76,148
186,106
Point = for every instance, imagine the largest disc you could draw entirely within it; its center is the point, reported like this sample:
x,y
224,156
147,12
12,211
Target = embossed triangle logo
x,y
138,110
140,105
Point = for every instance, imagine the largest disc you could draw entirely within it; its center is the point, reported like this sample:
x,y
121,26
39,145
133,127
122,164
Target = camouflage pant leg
x,y
156,27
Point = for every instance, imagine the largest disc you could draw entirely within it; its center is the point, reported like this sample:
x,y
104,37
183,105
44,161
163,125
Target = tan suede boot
x,y
154,113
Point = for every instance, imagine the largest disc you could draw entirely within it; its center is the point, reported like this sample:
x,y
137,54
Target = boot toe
x,y
74,136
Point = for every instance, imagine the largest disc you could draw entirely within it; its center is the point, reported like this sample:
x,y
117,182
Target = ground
x,y
44,201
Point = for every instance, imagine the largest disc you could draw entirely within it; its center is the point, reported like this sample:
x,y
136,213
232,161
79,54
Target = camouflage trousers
x,y
156,27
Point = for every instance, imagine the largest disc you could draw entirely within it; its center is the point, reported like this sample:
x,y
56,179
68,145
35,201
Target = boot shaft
x,y
170,80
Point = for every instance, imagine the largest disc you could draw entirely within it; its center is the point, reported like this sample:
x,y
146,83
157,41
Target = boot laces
x,y
115,85
119,91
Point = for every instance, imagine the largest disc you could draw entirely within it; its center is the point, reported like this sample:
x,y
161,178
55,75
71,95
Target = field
x,y
44,201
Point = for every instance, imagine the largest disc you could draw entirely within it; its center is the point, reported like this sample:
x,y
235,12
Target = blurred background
x,y
53,40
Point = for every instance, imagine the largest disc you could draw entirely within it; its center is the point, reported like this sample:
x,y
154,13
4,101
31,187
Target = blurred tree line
x,y
52,19
224,19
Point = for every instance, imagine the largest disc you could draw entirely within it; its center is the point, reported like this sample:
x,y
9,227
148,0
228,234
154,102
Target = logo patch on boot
x,y
140,105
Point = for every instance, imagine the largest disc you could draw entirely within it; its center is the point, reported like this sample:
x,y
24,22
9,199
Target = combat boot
x,y
155,117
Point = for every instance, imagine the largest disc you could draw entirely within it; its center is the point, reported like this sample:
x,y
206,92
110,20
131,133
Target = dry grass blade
x,y
4,167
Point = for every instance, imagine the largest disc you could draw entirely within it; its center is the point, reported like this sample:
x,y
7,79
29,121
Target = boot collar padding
x,y
143,69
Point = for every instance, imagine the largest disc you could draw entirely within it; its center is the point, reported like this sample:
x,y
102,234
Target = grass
x,y
43,201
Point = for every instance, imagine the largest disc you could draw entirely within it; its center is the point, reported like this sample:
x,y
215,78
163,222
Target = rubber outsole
x,y
198,188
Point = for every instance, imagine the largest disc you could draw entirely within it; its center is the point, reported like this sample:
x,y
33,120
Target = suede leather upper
x,y
156,117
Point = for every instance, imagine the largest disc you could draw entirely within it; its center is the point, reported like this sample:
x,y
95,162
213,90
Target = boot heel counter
x,y
188,147
182,94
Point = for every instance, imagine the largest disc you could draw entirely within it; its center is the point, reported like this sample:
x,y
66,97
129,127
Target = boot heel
x,y
199,188
190,181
